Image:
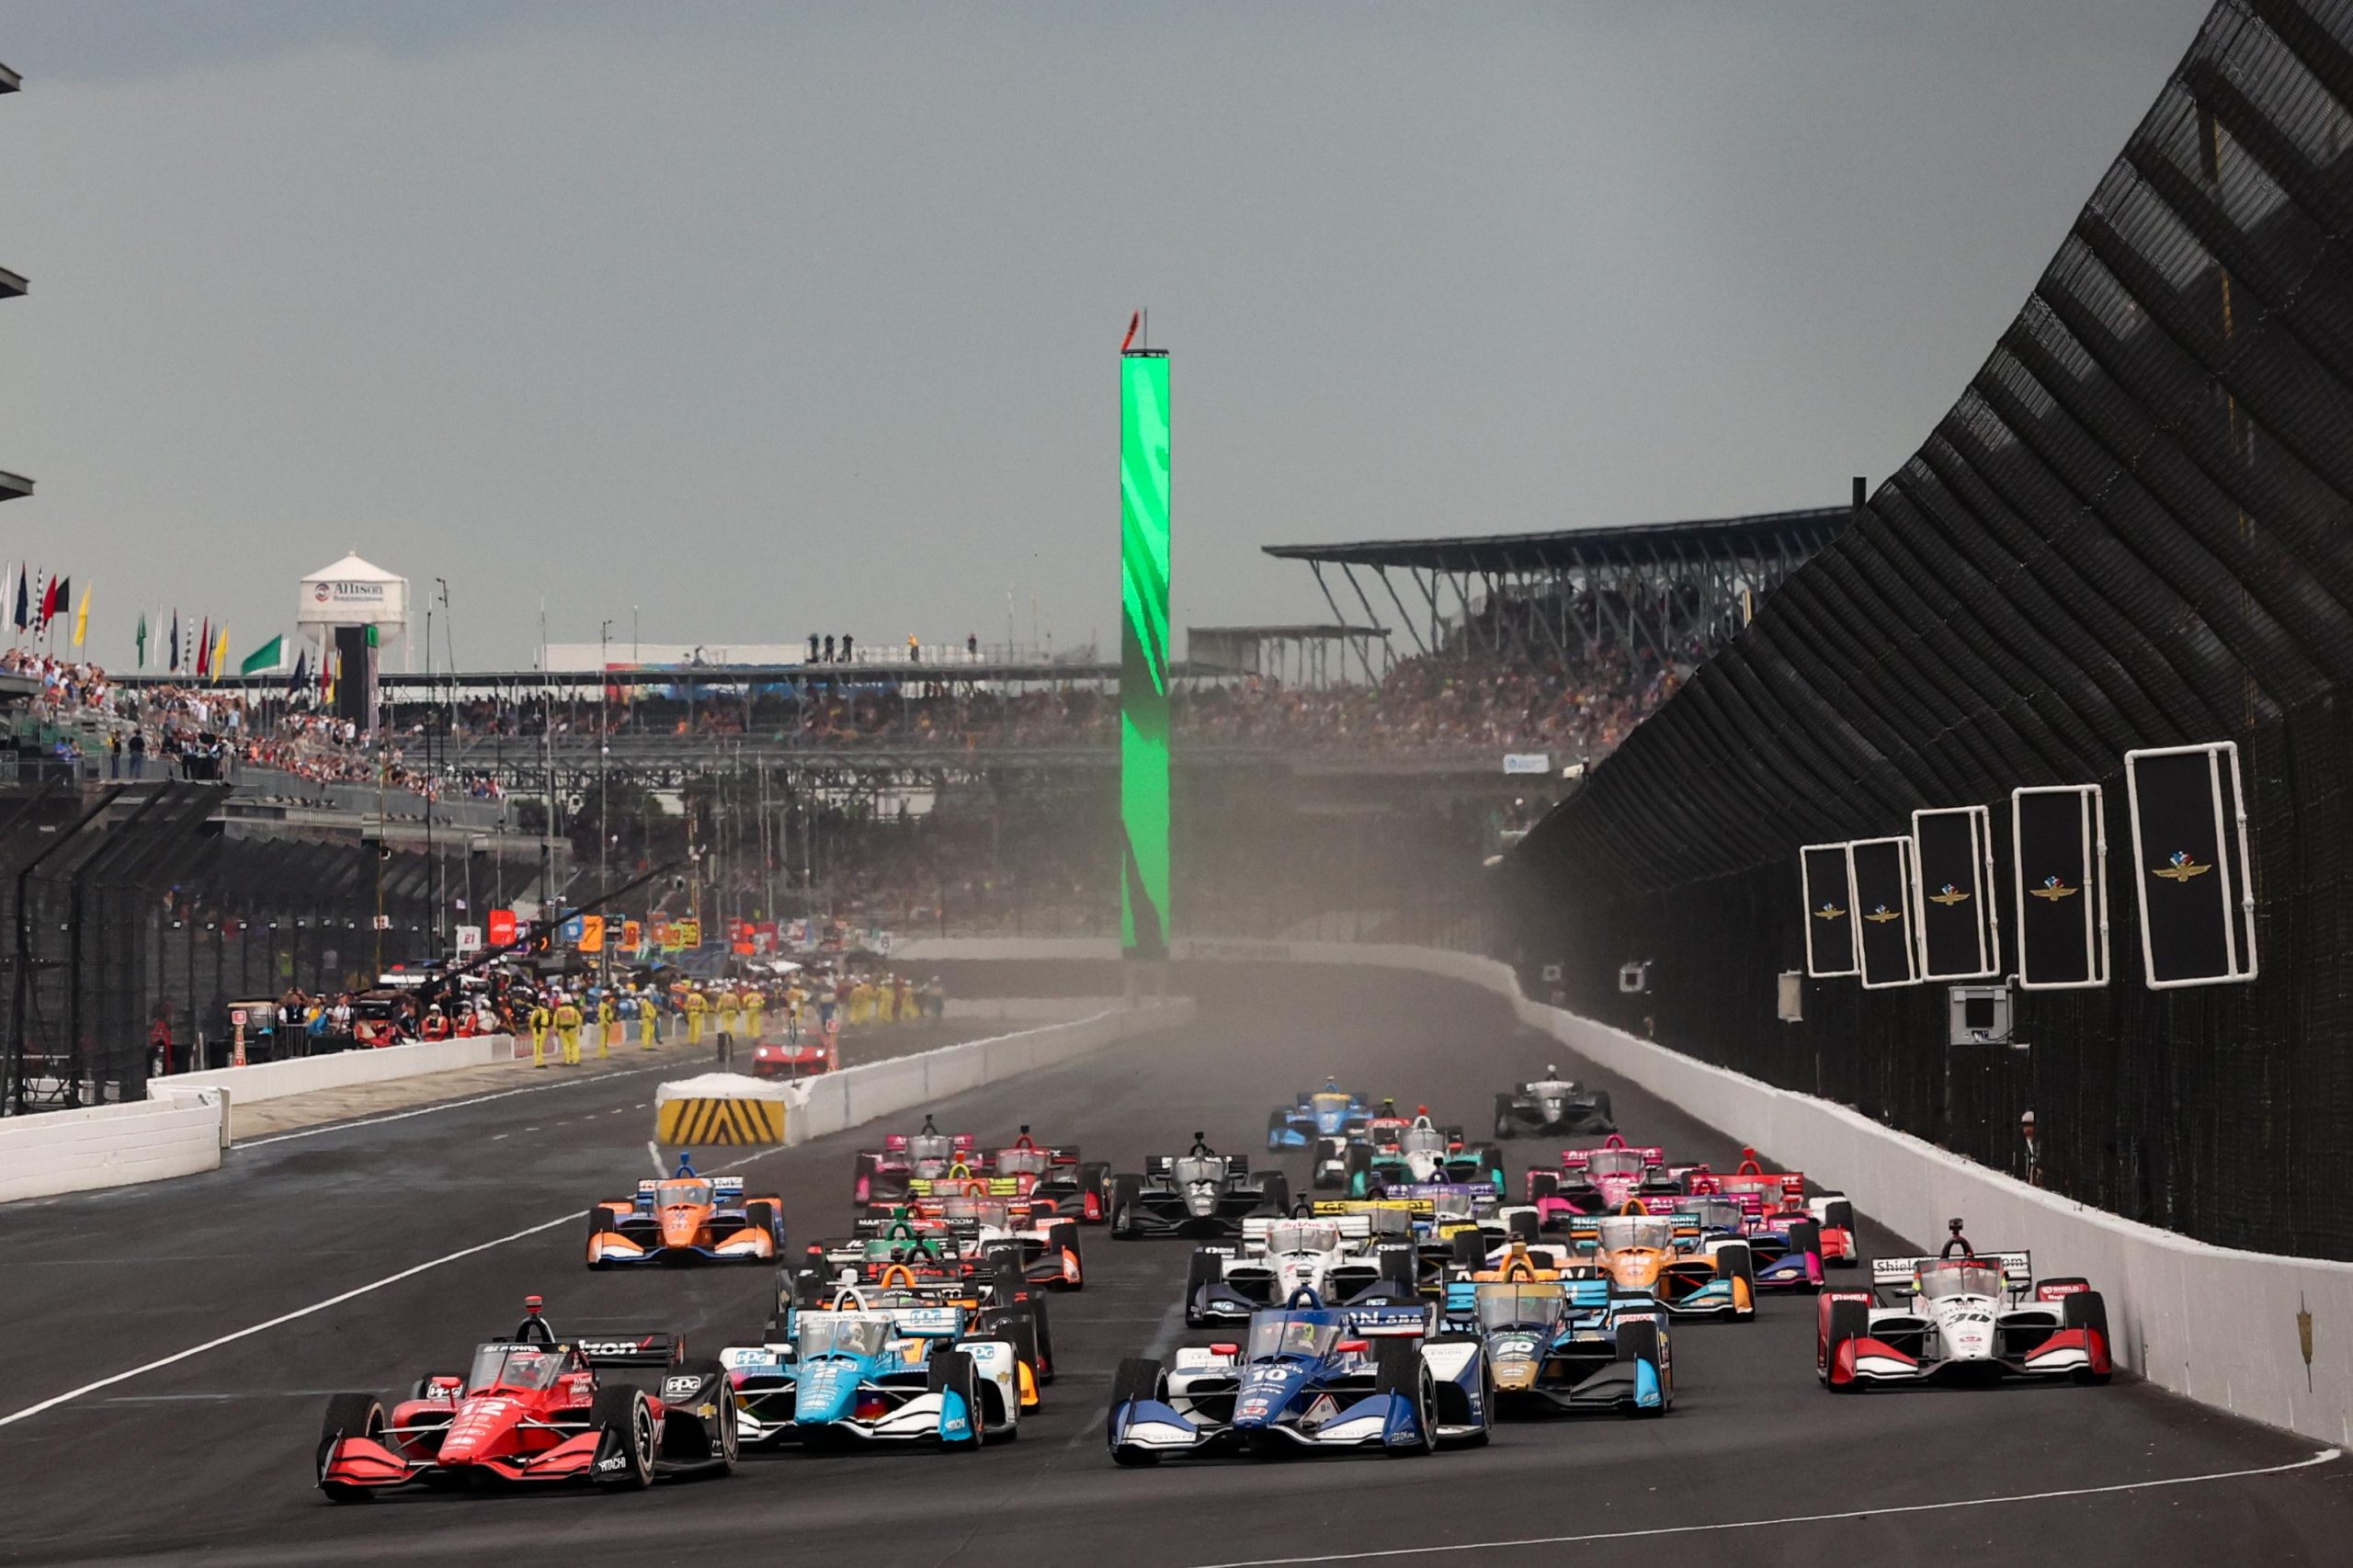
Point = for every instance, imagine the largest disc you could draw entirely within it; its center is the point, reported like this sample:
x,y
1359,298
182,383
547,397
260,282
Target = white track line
x,y
445,1104
2323,1457
157,1365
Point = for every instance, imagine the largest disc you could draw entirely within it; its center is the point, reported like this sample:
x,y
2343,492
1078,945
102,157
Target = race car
x,y
881,1175
1363,1258
1423,1155
1325,1113
1669,1257
781,1059
685,1217
1599,1181
1308,1376
1551,1106
1787,1201
867,1371
1784,1247
1575,1346
1961,1317
534,1408
1045,1251
1054,1180
899,1270
1200,1194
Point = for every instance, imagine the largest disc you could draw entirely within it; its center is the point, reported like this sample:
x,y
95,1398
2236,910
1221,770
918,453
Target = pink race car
x,y
925,1154
1603,1180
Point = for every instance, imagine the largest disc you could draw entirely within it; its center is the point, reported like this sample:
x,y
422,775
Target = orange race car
x,y
683,1218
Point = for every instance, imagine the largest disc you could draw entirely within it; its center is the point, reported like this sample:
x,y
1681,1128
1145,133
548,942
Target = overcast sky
x,y
770,319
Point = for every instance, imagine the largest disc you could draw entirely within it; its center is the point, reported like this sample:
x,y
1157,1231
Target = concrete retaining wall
x,y
856,1095
2262,1335
111,1145
274,1080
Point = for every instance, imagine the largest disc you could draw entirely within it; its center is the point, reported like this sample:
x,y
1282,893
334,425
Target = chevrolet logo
x,y
1948,895
2054,890
2180,868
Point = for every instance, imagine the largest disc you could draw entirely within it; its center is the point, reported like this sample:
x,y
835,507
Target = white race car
x,y
1363,1258
1964,1316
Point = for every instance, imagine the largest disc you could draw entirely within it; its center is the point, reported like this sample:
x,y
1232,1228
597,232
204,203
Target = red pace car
x,y
777,1059
534,1409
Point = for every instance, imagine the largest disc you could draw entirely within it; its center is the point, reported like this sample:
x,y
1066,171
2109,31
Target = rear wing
x,y
1653,1155
1342,1207
1357,1221
964,1186
635,1350
1387,1323
1903,1273
1787,1187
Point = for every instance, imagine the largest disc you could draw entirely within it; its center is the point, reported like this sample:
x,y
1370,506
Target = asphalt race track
x,y
209,1459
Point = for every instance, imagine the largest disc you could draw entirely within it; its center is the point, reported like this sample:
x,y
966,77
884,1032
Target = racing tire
x,y
1125,1192
1398,1369
695,1439
1470,1248
1848,1320
1018,1326
1138,1378
1505,1123
1486,1390
1359,1170
1641,1341
624,1419
1805,1236
952,1371
1743,1267
1094,1180
349,1415
1838,1214
1601,1112
1274,1189
1491,1160
1063,1235
1277,1123
422,1388
600,1223
2085,1309
1401,1270
763,1216
1038,1315
1542,1185
1526,1225
1206,1268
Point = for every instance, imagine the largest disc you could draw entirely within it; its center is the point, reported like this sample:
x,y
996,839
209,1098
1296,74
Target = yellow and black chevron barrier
x,y
719,1108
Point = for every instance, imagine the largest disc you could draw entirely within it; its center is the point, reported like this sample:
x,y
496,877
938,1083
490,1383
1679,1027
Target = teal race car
x,y
857,1372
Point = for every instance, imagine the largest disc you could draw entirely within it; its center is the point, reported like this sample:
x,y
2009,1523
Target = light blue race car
x,y
890,1373
1330,1112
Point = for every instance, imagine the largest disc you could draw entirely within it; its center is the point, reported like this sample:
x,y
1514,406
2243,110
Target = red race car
x,y
1784,1197
1058,1184
883,1174
533,1409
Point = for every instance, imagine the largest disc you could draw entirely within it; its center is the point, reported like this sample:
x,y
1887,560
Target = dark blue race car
x,y
1309,1377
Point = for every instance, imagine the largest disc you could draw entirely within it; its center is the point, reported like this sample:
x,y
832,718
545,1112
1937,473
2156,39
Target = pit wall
x,y
2262,1335
112,1145
833,1101
341,1069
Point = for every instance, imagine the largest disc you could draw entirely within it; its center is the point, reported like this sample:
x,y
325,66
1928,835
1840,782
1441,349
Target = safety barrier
x,y
2260,1334
719,1108
111,1145
837,1100
341,1069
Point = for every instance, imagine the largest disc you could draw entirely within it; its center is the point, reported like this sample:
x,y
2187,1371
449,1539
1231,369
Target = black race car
x,y
1199,1194
1550,1106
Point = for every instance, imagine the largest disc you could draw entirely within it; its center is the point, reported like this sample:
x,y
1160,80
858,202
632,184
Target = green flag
x,y
143,638
266,657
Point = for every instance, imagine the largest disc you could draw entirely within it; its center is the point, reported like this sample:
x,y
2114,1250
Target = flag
x,y
221,654
1134,322
49,598
265,658
301,679
175,666
204,649
140,639
82,618
326,676
24,598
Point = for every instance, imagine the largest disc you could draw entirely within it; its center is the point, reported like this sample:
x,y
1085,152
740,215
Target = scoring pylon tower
x,y
1143,650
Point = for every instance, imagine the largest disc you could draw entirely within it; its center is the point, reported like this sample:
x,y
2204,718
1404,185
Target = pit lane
x,y
208,1458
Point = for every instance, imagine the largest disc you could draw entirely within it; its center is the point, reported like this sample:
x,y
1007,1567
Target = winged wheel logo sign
x,y
2180,867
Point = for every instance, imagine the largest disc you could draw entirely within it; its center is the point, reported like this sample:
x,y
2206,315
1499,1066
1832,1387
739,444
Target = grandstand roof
x,y
1637,544
1297,633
